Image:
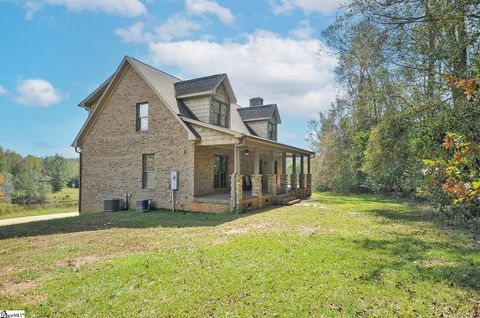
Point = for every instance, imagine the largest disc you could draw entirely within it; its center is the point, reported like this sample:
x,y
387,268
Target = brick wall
x,y
112,150
204,168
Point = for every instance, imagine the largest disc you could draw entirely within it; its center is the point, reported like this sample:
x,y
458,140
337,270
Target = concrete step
x,y
286,200
292,202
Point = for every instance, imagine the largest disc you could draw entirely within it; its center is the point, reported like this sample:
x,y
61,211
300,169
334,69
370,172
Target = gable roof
x,y
260,113
160,82
95,95
204,86
165,87
199,85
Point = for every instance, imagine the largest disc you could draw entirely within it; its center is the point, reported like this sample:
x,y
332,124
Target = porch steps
x,y
288,200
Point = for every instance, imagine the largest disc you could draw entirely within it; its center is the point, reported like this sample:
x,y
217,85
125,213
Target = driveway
x,y
34,218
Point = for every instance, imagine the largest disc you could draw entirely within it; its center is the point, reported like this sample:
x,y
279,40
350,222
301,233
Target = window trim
x,y
220,185
138,119
218,120
145,172
272,134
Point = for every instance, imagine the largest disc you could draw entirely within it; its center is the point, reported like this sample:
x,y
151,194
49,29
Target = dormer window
x,y
272,131
219,114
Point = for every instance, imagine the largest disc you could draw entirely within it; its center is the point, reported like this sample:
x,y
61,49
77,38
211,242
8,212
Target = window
x,y
142,116
220,164
148,171
219,114
272,131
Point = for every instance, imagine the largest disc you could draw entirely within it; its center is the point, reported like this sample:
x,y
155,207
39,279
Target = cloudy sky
x,y
55,52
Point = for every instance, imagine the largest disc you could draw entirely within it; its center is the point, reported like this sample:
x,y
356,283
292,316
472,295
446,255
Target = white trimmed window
x,y
148,171
142,116
219,114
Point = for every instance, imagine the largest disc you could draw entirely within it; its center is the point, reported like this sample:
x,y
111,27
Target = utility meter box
x,y
174,180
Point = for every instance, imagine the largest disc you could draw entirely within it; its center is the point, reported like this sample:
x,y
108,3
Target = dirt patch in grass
x,y
16,288
258,226
438,262
307,230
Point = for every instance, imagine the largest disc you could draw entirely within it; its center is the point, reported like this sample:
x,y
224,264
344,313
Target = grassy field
x,y
65,200
331,256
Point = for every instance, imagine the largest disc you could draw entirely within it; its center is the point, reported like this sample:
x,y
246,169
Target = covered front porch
x,y
249,174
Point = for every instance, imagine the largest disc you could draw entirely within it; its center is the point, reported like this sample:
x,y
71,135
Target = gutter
x,y
79,181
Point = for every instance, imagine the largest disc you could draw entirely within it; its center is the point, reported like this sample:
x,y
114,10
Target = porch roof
x,y
248,139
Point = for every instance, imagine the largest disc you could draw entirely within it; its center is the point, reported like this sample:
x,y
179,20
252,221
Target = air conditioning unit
x,y
143,205
111,205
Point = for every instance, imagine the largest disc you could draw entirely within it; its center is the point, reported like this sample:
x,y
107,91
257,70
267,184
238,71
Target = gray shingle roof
x,y
259,112
198,85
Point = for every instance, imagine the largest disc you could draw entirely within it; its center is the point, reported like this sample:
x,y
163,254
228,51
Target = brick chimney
x,y
256,101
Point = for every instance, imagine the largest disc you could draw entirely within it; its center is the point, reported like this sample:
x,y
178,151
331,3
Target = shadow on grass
x,y
124,219
336,198
458,265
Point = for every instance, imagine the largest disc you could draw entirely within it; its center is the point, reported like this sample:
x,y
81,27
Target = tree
x,y
56,168
409,72
31,187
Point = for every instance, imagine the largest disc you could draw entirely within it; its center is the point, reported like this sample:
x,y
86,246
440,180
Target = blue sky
x,y
55,52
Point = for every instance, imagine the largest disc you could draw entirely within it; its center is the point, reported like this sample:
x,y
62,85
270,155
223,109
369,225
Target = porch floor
x,y
223,198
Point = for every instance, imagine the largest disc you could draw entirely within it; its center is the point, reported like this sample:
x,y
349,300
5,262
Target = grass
x,y
331,256
65,200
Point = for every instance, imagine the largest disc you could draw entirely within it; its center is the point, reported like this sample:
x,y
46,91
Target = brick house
x,y
144,123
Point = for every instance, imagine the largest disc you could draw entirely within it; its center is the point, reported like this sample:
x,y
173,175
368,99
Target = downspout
x,y
79,181
235,163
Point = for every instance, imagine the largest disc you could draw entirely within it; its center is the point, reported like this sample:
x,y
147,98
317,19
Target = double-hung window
x,y
148,171
220,164
272,131
219,114
142,117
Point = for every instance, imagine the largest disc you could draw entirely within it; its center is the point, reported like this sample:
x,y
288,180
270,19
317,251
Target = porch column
x,y
237,193
294,177
283,175
309,178
272,184
302,173
256,177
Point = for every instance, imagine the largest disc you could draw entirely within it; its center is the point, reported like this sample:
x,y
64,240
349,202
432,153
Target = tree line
x,y
31,179
407,116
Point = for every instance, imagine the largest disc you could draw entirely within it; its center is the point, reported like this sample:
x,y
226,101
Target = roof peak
x,y
152,67
201,78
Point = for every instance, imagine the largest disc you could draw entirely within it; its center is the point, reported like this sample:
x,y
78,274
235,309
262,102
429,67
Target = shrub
x,y
7,208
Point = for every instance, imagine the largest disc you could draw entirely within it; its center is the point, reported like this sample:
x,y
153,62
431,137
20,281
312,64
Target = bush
x,y
455,180
7,208
31,187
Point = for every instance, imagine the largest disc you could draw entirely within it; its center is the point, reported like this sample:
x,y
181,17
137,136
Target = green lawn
x,y
65,200
331,256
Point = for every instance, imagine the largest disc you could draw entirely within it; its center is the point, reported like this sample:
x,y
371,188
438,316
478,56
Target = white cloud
x,y
132,34
3,90
285,71
37,92
303,31
176,26
31,7
129,8
200,7
308,6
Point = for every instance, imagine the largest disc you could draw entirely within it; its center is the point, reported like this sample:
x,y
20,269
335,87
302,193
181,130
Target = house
x,y
144,123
